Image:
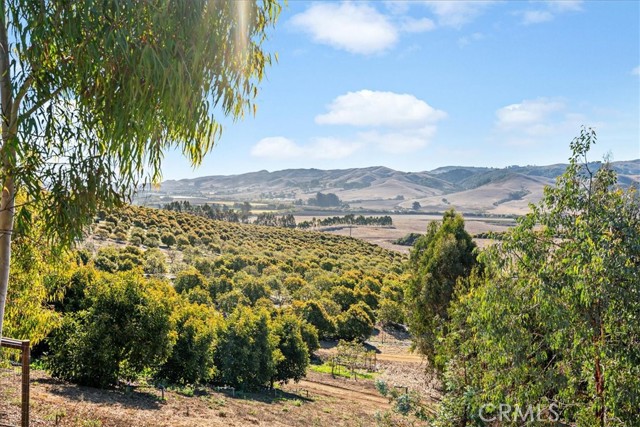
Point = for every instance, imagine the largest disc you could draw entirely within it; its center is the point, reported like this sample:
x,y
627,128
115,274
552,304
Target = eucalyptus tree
x,y
94,92
553,321
439,261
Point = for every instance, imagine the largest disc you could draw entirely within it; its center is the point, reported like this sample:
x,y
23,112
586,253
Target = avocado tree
x,y
93,93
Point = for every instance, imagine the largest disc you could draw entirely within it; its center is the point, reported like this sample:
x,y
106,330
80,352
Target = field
x,y
405,224
317,400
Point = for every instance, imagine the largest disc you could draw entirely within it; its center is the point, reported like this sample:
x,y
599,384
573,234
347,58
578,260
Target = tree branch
x,y
39,104
13,120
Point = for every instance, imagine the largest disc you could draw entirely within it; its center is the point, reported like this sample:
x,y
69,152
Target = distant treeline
x,y
238,213
350,219
272,220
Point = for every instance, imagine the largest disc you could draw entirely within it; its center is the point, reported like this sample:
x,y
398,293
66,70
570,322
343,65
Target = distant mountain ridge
x,y
497,190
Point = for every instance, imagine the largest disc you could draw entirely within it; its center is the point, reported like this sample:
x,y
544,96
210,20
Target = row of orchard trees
x,y
191,315
111,327
543,326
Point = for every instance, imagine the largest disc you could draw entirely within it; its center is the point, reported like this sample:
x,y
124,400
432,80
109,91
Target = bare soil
x,y
317,400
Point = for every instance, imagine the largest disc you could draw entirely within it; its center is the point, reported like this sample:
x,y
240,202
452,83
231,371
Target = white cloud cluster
x,y
379,109
551,8
536,120
387,121
636,71
398,123
356,27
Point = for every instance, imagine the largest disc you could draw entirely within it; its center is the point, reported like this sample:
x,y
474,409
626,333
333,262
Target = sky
x,y
416,85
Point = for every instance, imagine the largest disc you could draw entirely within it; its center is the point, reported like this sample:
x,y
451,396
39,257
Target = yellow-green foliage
x,y
242,264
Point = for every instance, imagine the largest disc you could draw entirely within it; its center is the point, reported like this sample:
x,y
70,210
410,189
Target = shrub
x,y
126,328
188,279
191,360
316,315
354,324
245,355
295,354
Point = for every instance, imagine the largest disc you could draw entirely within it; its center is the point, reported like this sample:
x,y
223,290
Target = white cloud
x,y
276,147
537,121
456,13
374,109
282,148
551,9
354,27
332,148
536,16
527,114
636,71
412,25
388,122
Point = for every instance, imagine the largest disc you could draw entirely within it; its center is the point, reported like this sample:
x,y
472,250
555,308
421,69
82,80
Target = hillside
x,y
468,189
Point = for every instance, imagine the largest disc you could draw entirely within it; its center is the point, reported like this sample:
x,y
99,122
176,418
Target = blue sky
x,y
417,85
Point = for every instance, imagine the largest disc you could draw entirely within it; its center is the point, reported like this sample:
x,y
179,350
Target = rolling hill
x,y
469,189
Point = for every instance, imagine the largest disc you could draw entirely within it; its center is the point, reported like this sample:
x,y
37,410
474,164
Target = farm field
x,y
405,224
317,400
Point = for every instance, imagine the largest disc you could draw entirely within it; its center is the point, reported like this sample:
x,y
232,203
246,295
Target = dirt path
x,y
407,357
334,390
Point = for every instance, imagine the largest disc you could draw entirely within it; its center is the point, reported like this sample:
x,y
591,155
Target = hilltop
x,y
468,189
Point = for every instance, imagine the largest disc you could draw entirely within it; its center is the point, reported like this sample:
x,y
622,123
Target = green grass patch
x,y
341,371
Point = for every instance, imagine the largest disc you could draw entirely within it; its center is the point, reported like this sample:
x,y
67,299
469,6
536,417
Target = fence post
x,y
26,359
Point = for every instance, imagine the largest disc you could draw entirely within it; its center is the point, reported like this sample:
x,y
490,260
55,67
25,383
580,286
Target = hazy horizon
x,y
383,166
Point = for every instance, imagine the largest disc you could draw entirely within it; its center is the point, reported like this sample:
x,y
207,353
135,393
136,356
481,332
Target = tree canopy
x,y
93,93
553,319
439,259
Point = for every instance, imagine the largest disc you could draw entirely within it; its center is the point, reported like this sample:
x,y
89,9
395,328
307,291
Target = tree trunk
x,y
7,155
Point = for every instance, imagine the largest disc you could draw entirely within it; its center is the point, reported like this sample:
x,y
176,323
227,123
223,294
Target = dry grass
x,y
318,400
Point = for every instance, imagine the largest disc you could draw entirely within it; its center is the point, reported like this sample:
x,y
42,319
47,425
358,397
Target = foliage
x,y
192,357
229,268
354,324
309,336
246,355
189,279
36,269
390,312
439,259
317,316
554,318
270,219
408,239
125,328
349,219
94,93
292,347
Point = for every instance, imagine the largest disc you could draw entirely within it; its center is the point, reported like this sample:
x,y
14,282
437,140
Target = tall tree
x,y
555,319
94,92
439,259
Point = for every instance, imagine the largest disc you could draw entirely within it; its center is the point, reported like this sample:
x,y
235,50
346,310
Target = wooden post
x,y
26,359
